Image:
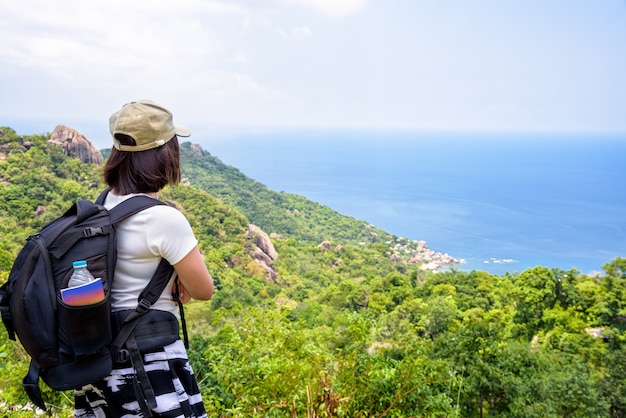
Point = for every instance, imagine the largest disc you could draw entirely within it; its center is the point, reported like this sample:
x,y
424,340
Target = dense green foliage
x,y
364,337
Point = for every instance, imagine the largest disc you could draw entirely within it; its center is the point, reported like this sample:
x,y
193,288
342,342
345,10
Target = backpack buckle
x,y
122,356
92,230
143,306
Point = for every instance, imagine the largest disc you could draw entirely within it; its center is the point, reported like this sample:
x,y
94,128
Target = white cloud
x,y
111,36
133,48
275,62
330,8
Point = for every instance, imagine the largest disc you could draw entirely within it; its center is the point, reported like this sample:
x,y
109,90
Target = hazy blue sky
x,y
401,64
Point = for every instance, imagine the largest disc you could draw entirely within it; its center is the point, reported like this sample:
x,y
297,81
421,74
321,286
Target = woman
x,y
146,158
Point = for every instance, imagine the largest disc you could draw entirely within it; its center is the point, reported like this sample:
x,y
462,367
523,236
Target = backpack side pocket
x,y
84,329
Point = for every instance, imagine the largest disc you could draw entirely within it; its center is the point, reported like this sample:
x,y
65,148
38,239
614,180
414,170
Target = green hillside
x,y
346,329
289,215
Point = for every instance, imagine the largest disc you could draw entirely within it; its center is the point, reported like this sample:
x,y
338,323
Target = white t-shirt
x,y
142,240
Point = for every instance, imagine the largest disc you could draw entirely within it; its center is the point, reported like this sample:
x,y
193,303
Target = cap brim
x,y
182,131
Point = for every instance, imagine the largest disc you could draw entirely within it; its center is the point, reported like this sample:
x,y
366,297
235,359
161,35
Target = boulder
x,y
263,251
40,211
261,257
75,145
277,236
272,275
324,245
262,240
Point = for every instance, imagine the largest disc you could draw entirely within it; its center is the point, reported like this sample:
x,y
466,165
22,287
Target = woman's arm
x,y
196,280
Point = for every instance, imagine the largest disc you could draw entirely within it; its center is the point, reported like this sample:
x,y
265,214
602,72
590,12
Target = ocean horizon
x,y
500,202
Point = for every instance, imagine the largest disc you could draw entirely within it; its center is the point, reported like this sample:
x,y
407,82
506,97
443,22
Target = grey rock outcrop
x,y
75,145
262,240
196,149
263,252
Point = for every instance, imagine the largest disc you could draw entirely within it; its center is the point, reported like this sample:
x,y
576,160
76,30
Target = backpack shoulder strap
x,y
102,196
83,209
147,298
161,276
132,206
30,383
128,207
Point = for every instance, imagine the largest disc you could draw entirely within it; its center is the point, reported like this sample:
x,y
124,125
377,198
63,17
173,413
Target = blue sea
x,y
501,202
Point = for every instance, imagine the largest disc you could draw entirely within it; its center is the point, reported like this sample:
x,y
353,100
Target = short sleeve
x,y
169,234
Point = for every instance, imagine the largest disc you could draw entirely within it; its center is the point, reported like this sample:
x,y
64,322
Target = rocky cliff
x,y
75,145
263,251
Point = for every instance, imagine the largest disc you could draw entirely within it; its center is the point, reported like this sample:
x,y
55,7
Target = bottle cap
x,y
79,263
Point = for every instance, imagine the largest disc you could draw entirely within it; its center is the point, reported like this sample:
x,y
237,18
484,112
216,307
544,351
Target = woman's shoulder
x,y
165,210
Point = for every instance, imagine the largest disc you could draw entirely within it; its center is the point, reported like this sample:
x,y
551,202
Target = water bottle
x,y
81,275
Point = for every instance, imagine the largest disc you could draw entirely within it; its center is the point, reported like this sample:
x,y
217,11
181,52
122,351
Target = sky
x,y
235,65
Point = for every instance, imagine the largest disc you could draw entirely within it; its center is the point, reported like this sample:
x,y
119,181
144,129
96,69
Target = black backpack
x,y
72,346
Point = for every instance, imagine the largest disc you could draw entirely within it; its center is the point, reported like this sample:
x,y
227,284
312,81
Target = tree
x,y
535,291
613,303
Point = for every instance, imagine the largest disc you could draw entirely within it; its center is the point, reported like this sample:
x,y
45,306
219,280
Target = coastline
x,y
414,252
497,203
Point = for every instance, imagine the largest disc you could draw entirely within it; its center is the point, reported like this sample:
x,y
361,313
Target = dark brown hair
x,y
144,171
